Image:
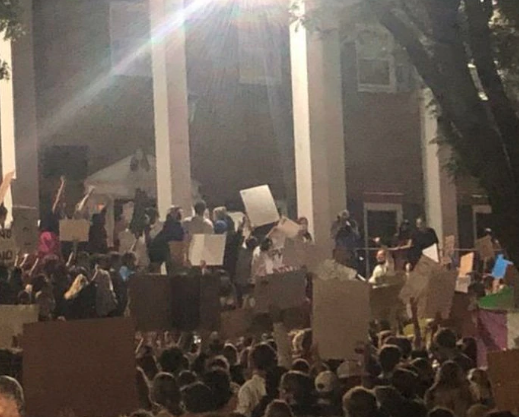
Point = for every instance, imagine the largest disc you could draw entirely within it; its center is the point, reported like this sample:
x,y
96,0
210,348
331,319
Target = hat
x,y
220,227
326,381
350,368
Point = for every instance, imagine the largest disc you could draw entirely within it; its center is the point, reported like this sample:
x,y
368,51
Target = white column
x,y
171,105
318,124
440,191
19,136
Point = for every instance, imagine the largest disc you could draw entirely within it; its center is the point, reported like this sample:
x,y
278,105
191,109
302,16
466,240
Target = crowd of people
x,y
277,374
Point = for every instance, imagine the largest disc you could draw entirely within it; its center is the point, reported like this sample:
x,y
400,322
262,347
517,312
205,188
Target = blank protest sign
x,y
12,319
341,314
260,205
74,230
207,248
87,366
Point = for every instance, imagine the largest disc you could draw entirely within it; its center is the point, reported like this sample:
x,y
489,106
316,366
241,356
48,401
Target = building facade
x,y
94,105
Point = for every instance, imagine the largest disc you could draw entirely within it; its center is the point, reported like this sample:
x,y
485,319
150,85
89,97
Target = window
x,y
130,38
259,47
376,69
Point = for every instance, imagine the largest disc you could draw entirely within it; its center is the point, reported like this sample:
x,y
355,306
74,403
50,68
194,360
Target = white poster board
x,y
12,319
74,230
340,320
289,228
432,253
209,249
25,228
437,299
260,205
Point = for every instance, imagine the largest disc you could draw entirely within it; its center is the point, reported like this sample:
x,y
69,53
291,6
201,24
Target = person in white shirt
x,y
199,224
262,359
263,260
385,266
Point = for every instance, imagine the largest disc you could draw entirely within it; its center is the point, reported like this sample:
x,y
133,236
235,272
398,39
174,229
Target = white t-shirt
x,y
198,225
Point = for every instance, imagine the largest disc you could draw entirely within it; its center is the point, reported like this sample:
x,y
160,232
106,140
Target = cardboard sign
x,y
462,284
283,290
12,319
151,302
385,302
8,248
511,279
418,279
289,228
74,230
432,253
87,366
6,184
341,314
25,228
207,248
503,372
448,249
298,254
260,205
236,323
438,295
485,247
466,264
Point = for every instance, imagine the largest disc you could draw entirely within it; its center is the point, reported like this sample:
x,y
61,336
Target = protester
x,y
385,266
304,234
199,224
422,238
172,231
97,235
12,402
262,359
451,390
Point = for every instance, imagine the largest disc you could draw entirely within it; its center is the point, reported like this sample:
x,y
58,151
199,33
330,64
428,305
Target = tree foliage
x,y
467,53
10,26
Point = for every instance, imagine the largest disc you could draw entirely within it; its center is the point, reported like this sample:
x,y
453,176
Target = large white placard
x,y
260,205
209,249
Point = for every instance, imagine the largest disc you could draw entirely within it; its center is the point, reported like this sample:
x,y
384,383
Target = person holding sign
x,y
172,231
97,235
422,238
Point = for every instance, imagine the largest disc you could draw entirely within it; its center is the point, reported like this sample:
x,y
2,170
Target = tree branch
x,y
501,106
410,42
